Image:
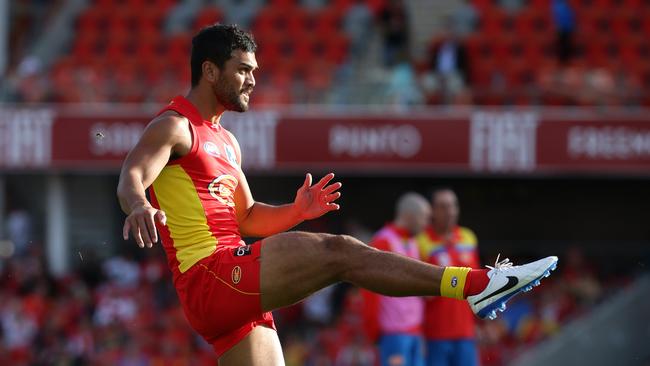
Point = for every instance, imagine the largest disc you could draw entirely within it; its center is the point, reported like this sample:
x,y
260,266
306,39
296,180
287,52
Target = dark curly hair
x,y
215,43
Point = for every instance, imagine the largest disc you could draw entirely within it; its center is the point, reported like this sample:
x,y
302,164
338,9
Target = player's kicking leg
x,y
296,264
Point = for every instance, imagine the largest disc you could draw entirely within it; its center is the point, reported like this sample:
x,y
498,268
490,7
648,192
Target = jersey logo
x,y
230,155
223,189
236,275
211,149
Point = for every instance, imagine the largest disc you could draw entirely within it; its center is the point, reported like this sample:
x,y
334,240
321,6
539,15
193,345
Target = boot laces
x,y
503,265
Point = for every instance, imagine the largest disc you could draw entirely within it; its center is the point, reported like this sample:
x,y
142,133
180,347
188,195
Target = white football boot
x,y
506,281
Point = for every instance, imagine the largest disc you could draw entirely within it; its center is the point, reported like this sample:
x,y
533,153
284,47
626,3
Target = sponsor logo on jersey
x,y
211,149
230,154
223,189
236,275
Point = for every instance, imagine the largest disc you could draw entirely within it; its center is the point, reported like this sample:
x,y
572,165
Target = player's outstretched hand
x,y
141,223
314,201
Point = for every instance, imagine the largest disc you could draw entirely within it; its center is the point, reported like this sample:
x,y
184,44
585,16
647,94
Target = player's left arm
x,y
261,220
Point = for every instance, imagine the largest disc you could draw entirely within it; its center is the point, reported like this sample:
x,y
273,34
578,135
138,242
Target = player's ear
x,y
210,71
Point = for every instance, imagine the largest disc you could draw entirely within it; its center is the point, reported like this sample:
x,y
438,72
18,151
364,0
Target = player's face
x,y
445,209
419,220
235,83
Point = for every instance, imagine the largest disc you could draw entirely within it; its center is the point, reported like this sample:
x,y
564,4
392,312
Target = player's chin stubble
x,y
228,97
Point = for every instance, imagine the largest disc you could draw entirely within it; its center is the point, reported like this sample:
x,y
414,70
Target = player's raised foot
x,y
506,281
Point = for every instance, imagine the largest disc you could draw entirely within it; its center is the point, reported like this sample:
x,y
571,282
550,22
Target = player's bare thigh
x,y
297,264
261,347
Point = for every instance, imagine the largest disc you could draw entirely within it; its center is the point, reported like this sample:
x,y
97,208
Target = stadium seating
x,y
129,36
506,54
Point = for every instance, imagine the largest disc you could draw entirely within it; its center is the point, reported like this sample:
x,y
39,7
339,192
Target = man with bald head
x,y
396,322
448,323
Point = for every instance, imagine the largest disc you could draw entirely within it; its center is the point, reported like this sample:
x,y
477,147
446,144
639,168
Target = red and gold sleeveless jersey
x,y
196,192
448,319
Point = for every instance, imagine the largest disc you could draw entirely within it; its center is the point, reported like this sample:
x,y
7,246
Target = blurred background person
x,y
448,323
565,24
396,322
449,72
394,25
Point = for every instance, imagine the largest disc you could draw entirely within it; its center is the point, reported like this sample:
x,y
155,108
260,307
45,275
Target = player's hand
x,y
141,223
314,201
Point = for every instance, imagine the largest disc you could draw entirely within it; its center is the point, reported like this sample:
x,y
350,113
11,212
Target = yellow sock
x,y
453,282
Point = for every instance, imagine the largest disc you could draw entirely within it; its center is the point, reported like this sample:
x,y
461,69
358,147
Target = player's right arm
x,y
166,136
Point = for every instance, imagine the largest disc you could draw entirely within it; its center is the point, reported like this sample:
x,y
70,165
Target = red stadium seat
x,y
150,22
477,45
601,53
328,22
269,20
336,48
496,22
341,5
152,70
481,73
283,4
297,20
305,47
178,46
376,6
622,23
540,6
86,46
89,20
483,5
116,50
538,51
319,75
531,23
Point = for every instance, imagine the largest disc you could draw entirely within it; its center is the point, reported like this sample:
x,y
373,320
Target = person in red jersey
x,y
396,322
449,323
201,204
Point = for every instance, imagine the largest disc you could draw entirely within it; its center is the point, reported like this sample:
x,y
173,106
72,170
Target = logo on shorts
x,y
211,148
242,251
236,275
223,189
454,281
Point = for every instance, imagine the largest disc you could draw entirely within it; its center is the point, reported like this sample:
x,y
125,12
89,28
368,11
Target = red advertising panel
x,y
372,143
94,142
521,142
620,145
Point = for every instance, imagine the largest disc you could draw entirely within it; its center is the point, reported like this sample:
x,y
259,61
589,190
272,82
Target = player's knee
x,y
343,247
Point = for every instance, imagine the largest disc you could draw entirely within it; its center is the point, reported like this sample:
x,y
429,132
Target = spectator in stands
x,y
19,230
402,88
397,322
579,277
357,23
394,25
564,19
357,353
449,66
464,19
448,323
